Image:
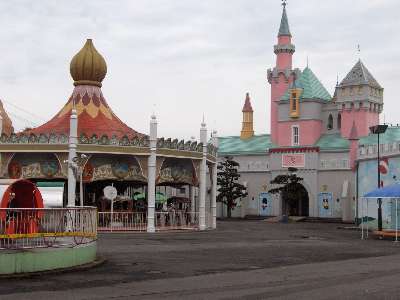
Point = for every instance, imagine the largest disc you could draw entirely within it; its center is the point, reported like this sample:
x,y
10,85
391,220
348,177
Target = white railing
x,y
122,221
22,228
175,220
137,221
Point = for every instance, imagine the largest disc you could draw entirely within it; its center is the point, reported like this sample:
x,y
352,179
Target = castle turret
x,y
247,123
360,99
282,74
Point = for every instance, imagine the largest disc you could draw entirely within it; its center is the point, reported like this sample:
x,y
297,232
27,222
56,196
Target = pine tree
x,y
229,188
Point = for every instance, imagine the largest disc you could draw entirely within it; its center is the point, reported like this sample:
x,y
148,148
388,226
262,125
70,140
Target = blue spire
x,y
284,28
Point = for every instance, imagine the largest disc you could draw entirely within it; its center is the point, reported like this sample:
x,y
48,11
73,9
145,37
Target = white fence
x,y
134,221
22,228
122,221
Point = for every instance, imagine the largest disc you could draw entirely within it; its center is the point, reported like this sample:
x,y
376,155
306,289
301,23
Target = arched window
x,y
330,122
339,121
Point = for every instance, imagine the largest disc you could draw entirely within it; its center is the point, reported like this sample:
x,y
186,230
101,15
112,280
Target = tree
x,y
229,188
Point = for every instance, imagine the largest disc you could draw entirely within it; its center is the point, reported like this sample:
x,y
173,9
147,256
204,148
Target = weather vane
x,y
284,3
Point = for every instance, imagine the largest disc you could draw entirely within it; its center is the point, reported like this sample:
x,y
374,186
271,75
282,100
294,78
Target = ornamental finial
x,y
284,3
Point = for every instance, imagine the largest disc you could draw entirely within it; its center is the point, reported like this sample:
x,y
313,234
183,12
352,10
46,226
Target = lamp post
x,y
378,129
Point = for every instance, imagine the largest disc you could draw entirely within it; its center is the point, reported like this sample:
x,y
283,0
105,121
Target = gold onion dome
x,y
88,67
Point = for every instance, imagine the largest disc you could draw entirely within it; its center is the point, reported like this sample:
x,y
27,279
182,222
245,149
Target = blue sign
x,y
325,203
265,202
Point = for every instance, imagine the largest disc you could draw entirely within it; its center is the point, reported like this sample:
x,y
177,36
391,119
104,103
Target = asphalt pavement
x,y
239,260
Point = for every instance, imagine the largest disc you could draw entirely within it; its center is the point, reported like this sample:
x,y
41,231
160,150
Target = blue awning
x,y
390,191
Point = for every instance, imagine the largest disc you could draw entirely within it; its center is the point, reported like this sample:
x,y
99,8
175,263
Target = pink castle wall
x,y
310,132
363,120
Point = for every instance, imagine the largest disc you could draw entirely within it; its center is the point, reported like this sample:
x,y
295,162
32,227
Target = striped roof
x,y
312,87
234,145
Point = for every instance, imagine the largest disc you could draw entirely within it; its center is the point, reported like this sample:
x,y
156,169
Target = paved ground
x,y
242,259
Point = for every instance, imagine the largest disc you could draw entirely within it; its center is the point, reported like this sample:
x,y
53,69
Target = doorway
x,y
295,201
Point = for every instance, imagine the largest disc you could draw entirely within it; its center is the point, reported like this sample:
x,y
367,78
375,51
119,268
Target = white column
x,y
214,197
151,178
203,178
73,141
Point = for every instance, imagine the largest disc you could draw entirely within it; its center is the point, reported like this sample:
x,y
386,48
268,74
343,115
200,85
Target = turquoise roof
x,y
234,145
284,28
391,135
332,142
312,87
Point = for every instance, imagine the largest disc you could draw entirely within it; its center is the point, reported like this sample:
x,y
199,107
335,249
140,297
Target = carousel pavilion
x,y
85,147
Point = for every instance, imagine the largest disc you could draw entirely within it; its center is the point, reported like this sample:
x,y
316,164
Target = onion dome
x,y
88,67
95,116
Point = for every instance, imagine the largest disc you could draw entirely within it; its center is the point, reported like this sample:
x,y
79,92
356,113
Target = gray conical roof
x,y
284,28
359,75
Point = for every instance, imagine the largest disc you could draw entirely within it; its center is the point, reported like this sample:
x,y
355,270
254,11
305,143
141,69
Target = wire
x,y
25,111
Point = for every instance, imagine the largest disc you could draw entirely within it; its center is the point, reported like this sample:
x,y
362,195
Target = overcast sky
x,y
183,58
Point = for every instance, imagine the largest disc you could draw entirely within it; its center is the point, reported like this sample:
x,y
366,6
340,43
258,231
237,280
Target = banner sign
x,y
293,160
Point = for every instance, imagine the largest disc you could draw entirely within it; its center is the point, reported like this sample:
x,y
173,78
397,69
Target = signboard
x,y
265,201
110,192
325,203
293,160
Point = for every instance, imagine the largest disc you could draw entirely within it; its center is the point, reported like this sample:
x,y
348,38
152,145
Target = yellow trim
x,y
47,234
294,101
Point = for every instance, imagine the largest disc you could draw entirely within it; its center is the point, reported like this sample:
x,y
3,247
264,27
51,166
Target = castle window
x,y
330,122
339,121
295,135
294,102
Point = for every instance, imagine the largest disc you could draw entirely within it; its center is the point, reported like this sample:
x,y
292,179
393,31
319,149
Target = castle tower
x,y
247,123
360,100
282,74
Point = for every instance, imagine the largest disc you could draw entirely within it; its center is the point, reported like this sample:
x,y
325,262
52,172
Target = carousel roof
x,y
95,117
7,127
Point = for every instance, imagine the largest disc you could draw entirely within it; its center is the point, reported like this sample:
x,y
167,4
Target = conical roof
x,y
311,86
284,28
247,104
359,75
95,117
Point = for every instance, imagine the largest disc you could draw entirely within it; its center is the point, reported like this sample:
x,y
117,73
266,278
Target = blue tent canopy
x,y
390,191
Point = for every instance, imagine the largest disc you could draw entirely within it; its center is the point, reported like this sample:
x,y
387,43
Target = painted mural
x,y
115,167
177,171
368,181
34,165
325,205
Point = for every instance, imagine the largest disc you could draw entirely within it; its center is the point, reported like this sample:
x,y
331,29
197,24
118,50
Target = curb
x,y
98,262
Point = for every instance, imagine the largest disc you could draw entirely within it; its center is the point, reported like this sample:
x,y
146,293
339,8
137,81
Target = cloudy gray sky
x,y
183,58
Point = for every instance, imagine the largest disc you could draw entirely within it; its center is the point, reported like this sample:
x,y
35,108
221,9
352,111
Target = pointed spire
x,y
353,132
247,104
284,28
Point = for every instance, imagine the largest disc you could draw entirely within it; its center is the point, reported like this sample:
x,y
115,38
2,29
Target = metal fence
x,y
122,221
135,221
22,228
